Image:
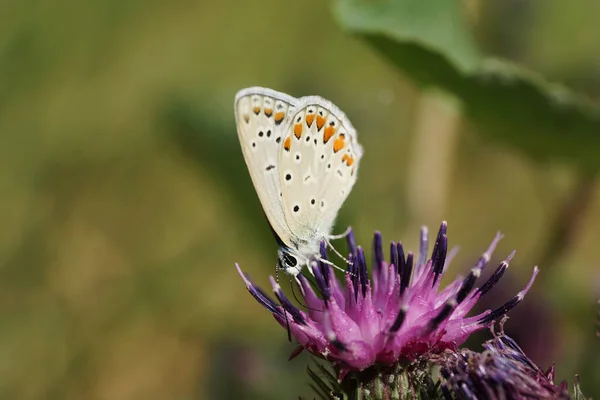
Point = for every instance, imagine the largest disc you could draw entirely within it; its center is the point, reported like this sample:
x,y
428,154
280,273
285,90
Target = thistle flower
x,y
397,316
501,371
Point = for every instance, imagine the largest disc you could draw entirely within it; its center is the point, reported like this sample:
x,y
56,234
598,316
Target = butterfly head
x,y
290,261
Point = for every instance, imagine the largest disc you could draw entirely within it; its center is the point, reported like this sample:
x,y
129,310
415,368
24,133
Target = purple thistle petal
x,y
438,248
265,300
442,315
323,250
355,272
258,294
495,277
485,257
358,356
380,287
400,313
449,291
350,264
399,320
310,337
392,301
422,283
394,256
467,285
439,257
423,248
466,306
401,260
286,304
475,273
369,318
509,305
405,281
353,302
362,271
351,242
458,330
345,328
441,232
377,251
313,302
321,283
336,289
324,268
450,256
327,273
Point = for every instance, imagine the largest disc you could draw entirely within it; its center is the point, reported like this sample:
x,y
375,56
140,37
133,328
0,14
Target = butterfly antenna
x,y
277,272
294,294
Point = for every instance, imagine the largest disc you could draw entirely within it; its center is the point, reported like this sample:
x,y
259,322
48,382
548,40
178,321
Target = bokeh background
x,y
125,201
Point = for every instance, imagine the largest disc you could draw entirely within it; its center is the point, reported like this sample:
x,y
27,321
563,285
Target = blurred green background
x,y
126,201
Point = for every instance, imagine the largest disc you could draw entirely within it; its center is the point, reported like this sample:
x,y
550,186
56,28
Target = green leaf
x,y
428,41
434,25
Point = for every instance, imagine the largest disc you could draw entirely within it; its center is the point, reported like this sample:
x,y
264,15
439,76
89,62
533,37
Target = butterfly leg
x,y
337,252
340,236
335,266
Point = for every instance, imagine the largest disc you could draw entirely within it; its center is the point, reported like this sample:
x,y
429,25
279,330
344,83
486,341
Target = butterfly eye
x,y
290,260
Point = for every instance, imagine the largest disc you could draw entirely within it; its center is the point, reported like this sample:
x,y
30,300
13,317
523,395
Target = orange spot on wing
x,y
268,112
348,160
279,116
328,133
320,122
309,119
298,130
256,110
338,144
287,143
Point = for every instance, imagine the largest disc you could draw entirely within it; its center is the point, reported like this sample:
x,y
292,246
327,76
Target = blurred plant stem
x,y
433,153
565,229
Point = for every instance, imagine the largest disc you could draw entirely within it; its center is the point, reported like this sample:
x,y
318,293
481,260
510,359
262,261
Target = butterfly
x,y
303,157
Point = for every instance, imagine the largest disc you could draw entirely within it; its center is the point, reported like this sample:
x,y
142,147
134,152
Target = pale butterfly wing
x,y
318,168
262,116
